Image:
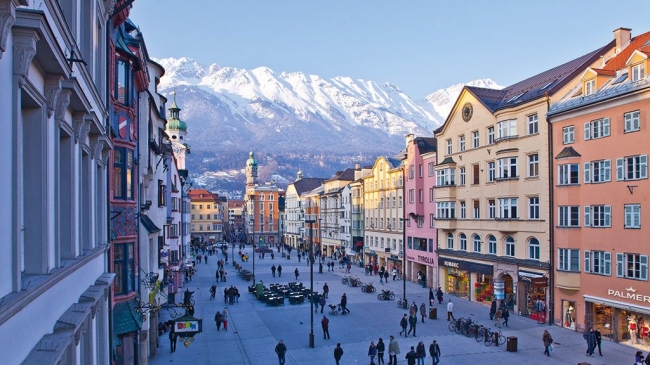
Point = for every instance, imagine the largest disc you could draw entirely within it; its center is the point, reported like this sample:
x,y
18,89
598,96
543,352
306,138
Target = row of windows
x,y
627,168
598,216
378,242
628,265
207,216
501,208
215,227
389,201
509,245
601,128
396,183
505,129
502,169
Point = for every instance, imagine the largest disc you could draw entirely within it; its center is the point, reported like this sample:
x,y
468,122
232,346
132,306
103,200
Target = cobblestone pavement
x,y
255,328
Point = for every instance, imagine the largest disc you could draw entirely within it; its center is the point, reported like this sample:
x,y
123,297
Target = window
x,y
162,194
462,176
400,202
632,168
598,262
491,167
476,240
193,217
492,245
510,246
463,213
633,266
463,242
432,171
421,196
598,216
568,134
508,208
597,129
633,216
533,249
477,210
450,241
449,149
124,268
507,129
475,140
432,220
569,216
461,143
598,171
533,127
123,173
476,176
122,82
638,72
411,172
569,260
590,86
491,209
446,210
431,197
568,174
507,168
490,135
632,122
533,207
533,165
446,177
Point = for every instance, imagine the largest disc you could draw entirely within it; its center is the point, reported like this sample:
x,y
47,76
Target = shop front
x,y
458,277
532,288
394,262
424,264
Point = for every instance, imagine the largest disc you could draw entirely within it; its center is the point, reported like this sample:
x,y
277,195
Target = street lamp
x,y
311,221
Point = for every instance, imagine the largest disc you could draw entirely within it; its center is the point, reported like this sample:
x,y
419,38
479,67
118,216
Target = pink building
x,y
601,190
420,208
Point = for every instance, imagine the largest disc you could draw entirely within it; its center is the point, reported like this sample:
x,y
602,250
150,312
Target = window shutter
x,y
619,265
628,122
606,128
643,166
587,131
587,215
608,170
608,215
608,263
644,267
587,263
636,216
619,169
587,172
636,121
628,216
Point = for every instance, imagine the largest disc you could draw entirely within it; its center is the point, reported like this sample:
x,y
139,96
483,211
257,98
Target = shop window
x,y
568,314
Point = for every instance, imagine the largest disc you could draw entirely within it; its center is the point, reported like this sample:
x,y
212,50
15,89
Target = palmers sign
x,y
629,293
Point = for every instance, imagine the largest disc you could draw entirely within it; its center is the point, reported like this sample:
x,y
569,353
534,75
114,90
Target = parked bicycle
x,y
368,288
386,295
354,282
346,278
403,303
494,337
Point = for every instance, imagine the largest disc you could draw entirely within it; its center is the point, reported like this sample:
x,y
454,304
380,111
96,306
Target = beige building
x,y
492,190
383,207
335,236
206,216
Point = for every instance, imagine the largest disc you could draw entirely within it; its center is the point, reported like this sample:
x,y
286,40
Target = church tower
x,y
251,172
177,131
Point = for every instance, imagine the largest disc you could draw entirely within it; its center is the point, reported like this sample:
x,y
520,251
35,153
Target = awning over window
x,y
149,224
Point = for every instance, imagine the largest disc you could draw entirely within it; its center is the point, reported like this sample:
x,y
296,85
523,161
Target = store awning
x,y
617,304
529,274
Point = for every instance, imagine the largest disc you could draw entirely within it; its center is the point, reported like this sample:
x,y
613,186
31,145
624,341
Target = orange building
x,y
600,190
262,204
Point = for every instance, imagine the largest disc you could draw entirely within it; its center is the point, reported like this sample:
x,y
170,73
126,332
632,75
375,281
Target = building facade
x,y
333,214
206,216
294,205
600,195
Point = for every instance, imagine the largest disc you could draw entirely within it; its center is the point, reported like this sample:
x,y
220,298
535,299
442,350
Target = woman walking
x,y
420,353
381,347
372,352
224,317
548,340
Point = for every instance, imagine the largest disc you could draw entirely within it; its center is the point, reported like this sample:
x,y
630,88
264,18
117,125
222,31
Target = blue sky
x,y
418,45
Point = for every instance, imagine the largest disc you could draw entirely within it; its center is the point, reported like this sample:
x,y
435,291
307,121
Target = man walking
x,y
413,321
590,337
404,323
325,323
411,356
344,304
423,311
393,351
281,350
172,338
326,291
450,311
599,339
279,270
273,270
295,272
434,351
338,353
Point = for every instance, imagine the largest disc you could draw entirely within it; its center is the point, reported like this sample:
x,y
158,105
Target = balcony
x,y
446,192
567,280
446,223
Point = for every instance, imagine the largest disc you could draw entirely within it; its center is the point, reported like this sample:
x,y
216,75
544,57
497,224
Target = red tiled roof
x,y
638,43
600,71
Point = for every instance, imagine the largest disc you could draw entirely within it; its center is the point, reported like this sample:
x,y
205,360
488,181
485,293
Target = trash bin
x,y
433,313
511,344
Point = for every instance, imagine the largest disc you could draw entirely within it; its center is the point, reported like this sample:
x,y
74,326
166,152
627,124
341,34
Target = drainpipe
x,y
551,218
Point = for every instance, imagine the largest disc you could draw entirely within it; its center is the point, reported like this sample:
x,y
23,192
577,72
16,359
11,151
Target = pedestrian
x,y
497,318
393,351
548,341
411,356
344,304
273,270
431,296
279,270
372,352
413,309
326,291
205,260
505,313
381,347
172,337
420,353
325,323
295,272
386,276
423,311
404,323
394,273
316,301
590,337
647,359
638,358
224,315
493,309
439,295
218,319
322,303
281,350
413,321
434,351
338,352
599,339
450,310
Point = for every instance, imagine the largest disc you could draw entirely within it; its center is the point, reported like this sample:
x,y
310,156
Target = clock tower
x,y
177,130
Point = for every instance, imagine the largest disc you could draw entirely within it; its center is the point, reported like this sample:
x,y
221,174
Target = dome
x,y
251,160
174,123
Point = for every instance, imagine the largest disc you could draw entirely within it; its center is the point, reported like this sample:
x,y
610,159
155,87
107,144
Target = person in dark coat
x,y
505,314
326,291
493,309
172,337
279,270
434,351
590,337
431,296
344,304
281,350
548,340
381,348
599,340
423,311
413,321
420,353
295,272
372,352
273,270
325,323
218,319
439,295
338,353
404,322
410,356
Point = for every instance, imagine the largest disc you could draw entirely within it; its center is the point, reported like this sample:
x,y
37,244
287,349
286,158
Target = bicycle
x,y
386,295
403,303
368,288
345,279
494,337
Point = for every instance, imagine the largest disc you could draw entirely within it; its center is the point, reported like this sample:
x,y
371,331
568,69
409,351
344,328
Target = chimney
x,y
623,36
409,137
357,166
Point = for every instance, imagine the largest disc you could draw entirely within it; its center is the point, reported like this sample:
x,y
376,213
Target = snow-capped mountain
x,y
443,100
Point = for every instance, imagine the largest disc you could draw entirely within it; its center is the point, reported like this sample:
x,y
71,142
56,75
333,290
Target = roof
x,y
426,144
200,195
447,160
125,319
307,184
346,175
148,224
618,62
567,152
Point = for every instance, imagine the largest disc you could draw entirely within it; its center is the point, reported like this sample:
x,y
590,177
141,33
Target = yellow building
x,y
206,216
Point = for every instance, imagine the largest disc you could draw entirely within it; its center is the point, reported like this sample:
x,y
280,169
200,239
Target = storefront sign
x,y
450,264
427,260
629,293
466,266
